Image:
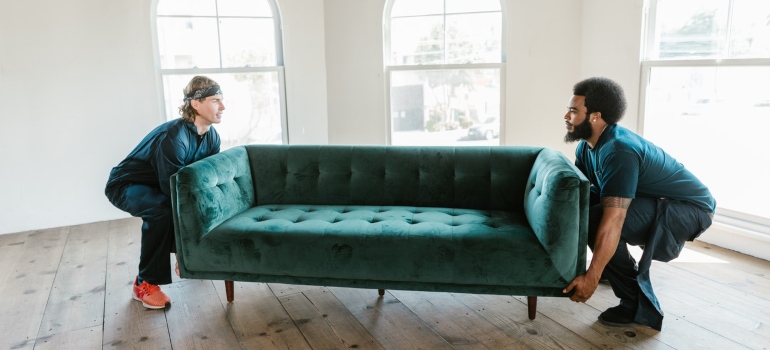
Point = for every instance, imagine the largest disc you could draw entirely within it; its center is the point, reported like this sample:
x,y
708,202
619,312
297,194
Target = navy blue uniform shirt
x,y
164,151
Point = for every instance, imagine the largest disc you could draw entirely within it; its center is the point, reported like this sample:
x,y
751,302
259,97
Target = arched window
x,y
445,62
706,97
238,44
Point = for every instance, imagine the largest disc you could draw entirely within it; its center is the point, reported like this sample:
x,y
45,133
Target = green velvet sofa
x,y
494,220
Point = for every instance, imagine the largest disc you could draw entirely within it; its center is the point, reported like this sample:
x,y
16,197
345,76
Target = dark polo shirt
x,y
623,164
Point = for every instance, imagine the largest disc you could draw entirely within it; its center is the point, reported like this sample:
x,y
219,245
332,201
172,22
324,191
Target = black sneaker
x,y
618,316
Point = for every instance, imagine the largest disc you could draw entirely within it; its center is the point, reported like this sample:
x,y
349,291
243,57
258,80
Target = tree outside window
x,y
445,63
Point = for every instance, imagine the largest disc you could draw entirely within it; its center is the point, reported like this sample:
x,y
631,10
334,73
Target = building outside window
x,y
445,62
706,98
238,44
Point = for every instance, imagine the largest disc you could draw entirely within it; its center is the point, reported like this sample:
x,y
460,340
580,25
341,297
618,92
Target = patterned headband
x,y
203,93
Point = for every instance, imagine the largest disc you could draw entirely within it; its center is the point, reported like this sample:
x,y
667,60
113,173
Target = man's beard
x,y
582,131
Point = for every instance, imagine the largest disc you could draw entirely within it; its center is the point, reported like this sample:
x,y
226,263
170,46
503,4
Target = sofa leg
x,y
532,307
381,292
229,291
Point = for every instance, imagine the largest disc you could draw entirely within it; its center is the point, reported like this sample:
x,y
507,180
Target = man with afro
x,y
640,195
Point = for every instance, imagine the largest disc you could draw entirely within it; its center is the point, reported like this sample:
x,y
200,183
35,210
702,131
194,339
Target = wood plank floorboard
x,y
70,288
258,318
26,294
341,320
581,319
325,323
196,318
510,315
459,325
84,338
389,321
77,298
127,324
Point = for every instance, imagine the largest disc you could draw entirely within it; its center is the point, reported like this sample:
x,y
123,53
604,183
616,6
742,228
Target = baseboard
x,y
738,239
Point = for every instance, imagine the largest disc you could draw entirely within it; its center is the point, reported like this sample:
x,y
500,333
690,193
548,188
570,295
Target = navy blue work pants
x,y
154,207
660,226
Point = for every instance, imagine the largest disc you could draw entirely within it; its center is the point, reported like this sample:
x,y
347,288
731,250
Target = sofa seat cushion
x,y
408,244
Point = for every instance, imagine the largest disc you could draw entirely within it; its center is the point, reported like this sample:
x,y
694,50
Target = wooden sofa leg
x,y
381,292
532,307
229,291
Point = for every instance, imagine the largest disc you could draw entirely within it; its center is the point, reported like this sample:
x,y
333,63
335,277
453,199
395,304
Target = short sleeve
x,y
620,174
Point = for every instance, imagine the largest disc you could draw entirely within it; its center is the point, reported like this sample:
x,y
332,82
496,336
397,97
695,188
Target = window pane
x,y
252,103
690,28
474,38
188,42
750,33
247,42
417,40
250,8
460,6
714,121
186,8
445,107
417,8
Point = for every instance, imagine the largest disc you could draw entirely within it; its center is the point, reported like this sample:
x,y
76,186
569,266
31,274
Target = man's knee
x,y
145,202
159,213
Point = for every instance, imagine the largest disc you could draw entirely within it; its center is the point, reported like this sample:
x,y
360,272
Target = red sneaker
x,y
150,295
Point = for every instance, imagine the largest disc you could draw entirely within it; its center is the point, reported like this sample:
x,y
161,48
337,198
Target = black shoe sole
x,y
616,324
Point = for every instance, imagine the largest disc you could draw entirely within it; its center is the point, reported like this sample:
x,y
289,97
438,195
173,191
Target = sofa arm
x,y
208,192
556,205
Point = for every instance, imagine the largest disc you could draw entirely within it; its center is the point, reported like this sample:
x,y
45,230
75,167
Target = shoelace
x,y
148,289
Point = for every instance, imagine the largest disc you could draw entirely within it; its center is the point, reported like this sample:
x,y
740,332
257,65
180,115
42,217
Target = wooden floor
x,y
69,288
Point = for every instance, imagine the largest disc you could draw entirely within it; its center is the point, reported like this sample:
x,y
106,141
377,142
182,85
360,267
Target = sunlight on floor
x,y
691,256
687,256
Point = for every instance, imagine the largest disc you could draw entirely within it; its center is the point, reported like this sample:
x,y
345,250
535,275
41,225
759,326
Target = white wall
x,y
305,66
544,45
612,39
77,87
79,90
355,71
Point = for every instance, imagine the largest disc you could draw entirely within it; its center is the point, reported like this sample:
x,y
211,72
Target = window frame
x,y
278,68
730,217
390,68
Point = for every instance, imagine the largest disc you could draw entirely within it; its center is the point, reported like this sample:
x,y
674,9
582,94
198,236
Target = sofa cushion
x,y
439,245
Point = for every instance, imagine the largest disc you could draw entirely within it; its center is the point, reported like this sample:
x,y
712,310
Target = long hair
x,y
196,83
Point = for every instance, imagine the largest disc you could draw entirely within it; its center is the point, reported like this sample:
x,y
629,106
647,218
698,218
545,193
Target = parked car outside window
x,y
489,129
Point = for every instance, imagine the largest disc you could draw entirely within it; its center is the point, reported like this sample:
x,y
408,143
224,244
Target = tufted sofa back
x,y
492,178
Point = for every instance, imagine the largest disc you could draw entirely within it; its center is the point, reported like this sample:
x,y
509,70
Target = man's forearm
x,y
608,234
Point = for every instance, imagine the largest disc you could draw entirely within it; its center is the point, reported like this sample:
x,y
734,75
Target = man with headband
x,y
140,185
